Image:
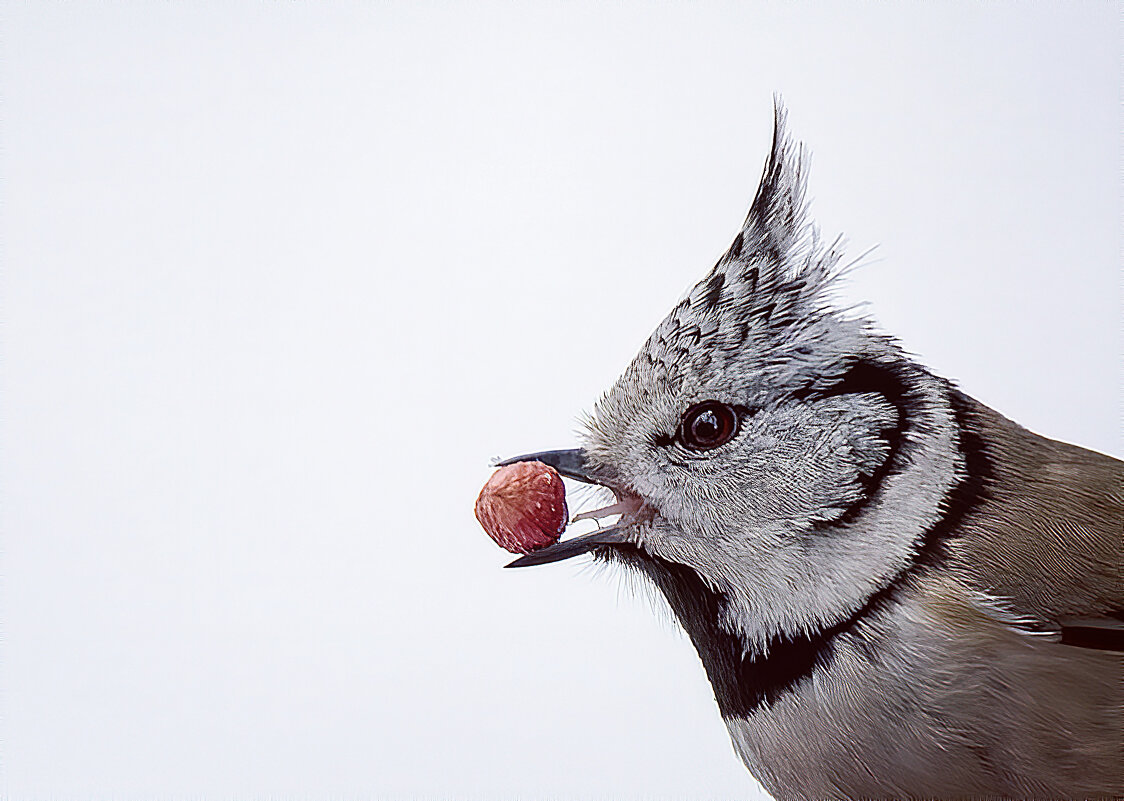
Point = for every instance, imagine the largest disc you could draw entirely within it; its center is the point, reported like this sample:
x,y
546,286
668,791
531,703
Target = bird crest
x,y
769,292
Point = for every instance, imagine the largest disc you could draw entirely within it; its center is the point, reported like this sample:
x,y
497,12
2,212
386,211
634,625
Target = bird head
x,y
777,461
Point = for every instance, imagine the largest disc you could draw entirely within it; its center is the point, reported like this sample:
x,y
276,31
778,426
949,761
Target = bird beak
x,y
570,464
575,547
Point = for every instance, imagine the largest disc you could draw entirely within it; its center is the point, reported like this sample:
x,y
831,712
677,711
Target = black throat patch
x,y
743,680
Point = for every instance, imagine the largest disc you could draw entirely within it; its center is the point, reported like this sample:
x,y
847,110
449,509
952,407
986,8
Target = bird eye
x,y
709,424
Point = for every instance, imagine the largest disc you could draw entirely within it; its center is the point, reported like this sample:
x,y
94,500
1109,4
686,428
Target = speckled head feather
x,y
765,306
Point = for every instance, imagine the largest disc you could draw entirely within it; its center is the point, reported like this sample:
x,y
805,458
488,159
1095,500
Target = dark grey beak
x,y
567,548
570,464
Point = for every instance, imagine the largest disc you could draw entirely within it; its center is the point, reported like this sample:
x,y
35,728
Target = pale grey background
x,y
280,279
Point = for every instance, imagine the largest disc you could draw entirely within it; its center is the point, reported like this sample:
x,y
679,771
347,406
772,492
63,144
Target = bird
x,y
894,590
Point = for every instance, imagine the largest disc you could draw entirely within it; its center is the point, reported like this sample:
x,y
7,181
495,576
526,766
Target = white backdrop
x,y
280,279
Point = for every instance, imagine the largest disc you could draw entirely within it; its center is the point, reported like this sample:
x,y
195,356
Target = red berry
x,y
523,506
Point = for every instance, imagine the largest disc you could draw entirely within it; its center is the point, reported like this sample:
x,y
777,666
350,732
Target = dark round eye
x,y
709,424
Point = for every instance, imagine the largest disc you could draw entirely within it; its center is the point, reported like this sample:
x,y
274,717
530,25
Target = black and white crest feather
x,y
769,293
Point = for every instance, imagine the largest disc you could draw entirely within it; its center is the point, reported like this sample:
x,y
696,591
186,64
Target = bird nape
x,y
896,592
